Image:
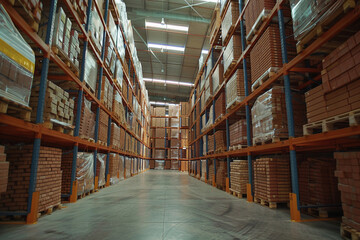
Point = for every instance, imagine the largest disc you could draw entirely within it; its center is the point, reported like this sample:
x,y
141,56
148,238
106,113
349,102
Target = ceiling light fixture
x,y
162,25
166,47
168,82
163,103
205,51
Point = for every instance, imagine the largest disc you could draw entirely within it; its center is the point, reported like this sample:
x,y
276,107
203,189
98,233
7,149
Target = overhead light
x,y
162,70
205,51
168,82
162,25
214,1
163,103
166,47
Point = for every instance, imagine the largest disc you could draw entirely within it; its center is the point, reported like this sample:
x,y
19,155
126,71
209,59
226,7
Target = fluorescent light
x,y
168,82
205,51
162,25
163,103
166,47
214,1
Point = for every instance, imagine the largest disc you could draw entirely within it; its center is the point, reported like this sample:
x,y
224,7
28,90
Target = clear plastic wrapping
x,y
127,167
203,170
96,29
115,136
174,165
17,62
159,164
85,172
174,111
121,167
100,168
114,168
91,69
120,44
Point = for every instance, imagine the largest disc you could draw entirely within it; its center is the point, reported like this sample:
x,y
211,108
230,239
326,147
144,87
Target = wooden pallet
x,y
15,109
65,58
228,35
237,194
60,128
85,194
261,141
89,87
50,210
325,212
87,138
26,14
259,21
229,69
268,74
344,120
263,202
102,143
348,232
236,147
323,26
233,103
220,150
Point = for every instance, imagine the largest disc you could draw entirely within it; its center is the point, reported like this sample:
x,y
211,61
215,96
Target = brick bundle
x,y
127,167
255,10
272,179
100,168
84,172
239,175
320,106
269,116
265,57
48,181
87,120
80,6
220,105
58,105
221,173
347,171
114,168
317,182
203,170
211,171
210,143
230,18
217,77
115,136
235,91
107,93
4,170
238,133
103,126
232,52
220,140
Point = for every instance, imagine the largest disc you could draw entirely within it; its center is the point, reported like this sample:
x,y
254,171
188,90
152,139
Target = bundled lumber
x,y
4,170
239,176
272,179
48,180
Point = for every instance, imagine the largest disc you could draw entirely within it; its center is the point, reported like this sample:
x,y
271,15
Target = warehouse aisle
x,y
167,205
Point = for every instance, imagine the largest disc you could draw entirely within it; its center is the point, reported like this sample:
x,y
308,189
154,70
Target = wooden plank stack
x,y
317,182
58,105
269,116
48,181
238,134
103,126
4,170
239,175
235,91
347,171
272,179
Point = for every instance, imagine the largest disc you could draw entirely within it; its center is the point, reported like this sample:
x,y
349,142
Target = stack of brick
x,y
210,143
265,57
48,181
220,106
4,170
229,21
217,77
347,171
220,140
211,171
115,136
103,126
58,106
255,11
114,168
84,172
235,91
272,179
100,168
221,173
87,120
317,182
232,53
127,167
239,175
174,165
203,170
238,133
107,93
80,7
269,116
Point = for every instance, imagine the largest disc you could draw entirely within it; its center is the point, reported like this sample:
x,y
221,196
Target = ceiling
x,y
168,64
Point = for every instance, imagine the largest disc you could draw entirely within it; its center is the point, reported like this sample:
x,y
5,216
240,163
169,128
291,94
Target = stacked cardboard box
x,y
84,172
174,165
217,77
239,175
59,108
159,154
103,126
107,93
74,49
174,111
174,143
265,57
152,164
232,53
48,181
174,122
91,71
220,106
238,133
220,140
184,121
347,171
167,165
272,179
159,111
317,182
160,143
174,153
184,166
235,90
269,116
185,108
4,170
229,21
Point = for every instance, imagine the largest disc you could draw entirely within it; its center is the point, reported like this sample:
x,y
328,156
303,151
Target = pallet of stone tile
x,y
229,21
348,232
215,26
238,136
103,127
235,91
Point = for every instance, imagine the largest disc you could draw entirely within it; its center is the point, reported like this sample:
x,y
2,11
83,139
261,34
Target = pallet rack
x,y
335,139
16,130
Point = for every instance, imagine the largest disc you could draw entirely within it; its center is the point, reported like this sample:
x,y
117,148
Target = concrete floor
x,y
167,205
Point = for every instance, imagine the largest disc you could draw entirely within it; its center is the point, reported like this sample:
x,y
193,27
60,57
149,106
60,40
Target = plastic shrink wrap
x,y
85,172
100,168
